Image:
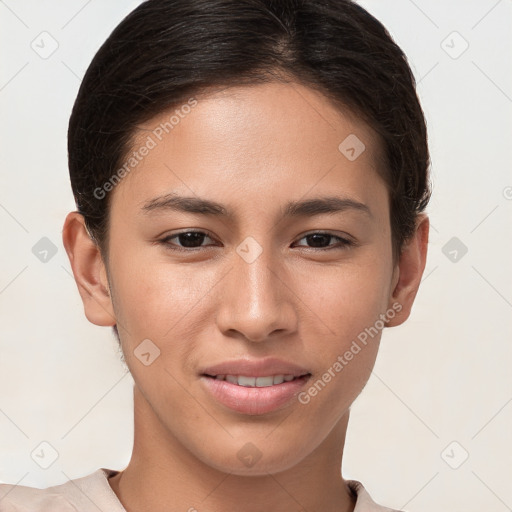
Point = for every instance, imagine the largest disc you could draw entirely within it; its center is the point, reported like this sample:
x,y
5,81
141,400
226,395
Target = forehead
x,y
267,140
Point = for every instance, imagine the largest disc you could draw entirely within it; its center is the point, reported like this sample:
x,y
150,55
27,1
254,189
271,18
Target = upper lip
x,y
255,368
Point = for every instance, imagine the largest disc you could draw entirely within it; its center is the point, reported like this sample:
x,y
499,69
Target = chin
x,y
249,460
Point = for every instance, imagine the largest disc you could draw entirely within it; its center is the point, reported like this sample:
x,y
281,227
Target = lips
x,y
253,400
254,386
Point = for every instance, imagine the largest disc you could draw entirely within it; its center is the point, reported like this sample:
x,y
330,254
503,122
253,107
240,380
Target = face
x,y
251,277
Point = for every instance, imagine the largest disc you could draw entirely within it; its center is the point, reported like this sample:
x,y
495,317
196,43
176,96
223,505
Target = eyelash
x,y
345,242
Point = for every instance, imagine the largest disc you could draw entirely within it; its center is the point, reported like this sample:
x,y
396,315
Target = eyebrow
x,y
307,207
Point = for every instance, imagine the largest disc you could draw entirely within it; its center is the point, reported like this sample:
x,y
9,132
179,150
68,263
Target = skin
x,y
251,149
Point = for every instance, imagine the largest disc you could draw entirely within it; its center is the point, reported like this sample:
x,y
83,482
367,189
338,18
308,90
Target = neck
x,y
163,475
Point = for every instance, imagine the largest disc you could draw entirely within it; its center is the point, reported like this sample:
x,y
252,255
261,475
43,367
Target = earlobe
x,y
407,277
89,271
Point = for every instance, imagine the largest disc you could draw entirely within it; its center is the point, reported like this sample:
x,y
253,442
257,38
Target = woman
x,y
251,178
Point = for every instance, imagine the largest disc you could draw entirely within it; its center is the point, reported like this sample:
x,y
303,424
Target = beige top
x,y
92,493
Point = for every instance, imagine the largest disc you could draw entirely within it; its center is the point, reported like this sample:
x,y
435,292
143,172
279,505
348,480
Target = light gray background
x,y
442,377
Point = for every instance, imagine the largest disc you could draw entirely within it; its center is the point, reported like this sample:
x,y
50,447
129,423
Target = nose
x,y
257,299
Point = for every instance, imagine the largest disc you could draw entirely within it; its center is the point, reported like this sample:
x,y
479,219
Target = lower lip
x,y
248,400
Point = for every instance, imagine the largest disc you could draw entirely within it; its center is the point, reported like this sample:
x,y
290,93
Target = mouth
x,y
258,382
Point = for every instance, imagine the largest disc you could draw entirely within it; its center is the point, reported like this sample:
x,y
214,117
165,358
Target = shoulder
x,y
364,501
85,494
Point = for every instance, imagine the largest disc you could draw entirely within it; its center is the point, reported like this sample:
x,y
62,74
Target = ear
x,y
408,271
89,271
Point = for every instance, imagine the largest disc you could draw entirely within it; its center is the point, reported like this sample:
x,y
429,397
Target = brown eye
x,y
321,240
186,240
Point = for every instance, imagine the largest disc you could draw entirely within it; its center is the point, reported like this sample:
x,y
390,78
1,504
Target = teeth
x,y
278,379
232,379
256,382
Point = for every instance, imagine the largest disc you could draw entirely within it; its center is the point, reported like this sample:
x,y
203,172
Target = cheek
x,y
344,300
160,302
342,338
156,298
